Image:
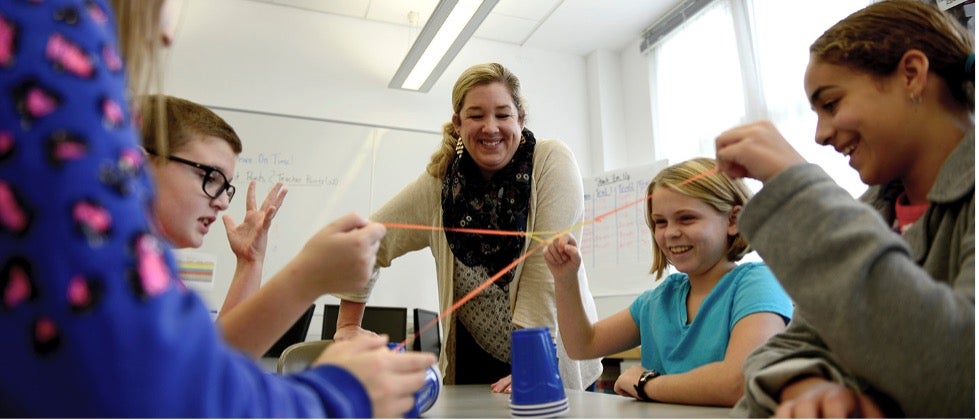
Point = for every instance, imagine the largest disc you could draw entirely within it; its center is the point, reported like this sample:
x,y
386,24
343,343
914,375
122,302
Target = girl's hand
x,y
815,397
563,258
625,384
391,378
350,332
339,258
756,150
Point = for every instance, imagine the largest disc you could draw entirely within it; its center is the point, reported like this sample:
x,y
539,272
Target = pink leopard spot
x,y
6,142
12,215
69,150
111,59
153,272
39,103
45,330
18,288
92,216
96,12
130,160
112,113
7,35
78,293
69,56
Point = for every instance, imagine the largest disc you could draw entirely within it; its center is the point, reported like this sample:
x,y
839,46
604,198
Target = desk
x,y
476,401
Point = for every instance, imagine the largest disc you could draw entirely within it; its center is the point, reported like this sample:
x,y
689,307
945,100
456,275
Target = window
x,y
742,60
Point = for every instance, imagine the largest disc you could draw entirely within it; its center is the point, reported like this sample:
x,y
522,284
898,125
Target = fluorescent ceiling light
x,y
452,24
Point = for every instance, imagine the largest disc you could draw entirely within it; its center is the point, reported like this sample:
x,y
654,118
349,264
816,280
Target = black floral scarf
x,y
501,203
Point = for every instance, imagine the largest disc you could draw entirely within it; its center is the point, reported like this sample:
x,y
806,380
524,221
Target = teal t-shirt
x,y
670,345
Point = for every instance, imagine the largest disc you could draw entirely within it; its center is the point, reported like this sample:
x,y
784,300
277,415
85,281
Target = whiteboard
x,y
616,245
330,169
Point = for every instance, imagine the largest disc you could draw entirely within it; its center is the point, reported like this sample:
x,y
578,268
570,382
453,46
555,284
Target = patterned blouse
x,y
93,321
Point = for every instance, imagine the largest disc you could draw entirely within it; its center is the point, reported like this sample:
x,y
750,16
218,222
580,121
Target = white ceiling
x,y
569,26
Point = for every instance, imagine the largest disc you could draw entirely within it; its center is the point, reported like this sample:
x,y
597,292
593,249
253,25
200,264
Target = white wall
x,y
285,60
262,57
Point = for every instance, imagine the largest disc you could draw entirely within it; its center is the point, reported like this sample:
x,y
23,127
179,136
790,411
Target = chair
x,y
298,357
392,321
427,337
295,334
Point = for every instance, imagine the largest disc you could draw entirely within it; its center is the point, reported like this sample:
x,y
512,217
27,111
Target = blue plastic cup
x,y
534,369
426,396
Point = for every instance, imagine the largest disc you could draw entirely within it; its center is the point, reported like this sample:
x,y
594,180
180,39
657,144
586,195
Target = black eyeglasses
x,y
214,183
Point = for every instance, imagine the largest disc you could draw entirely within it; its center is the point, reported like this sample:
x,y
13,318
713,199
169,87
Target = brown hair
x,y
698,178
183,119
875,38
477,75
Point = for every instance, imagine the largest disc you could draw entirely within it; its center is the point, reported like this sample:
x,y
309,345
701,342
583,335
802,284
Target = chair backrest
x,y
298,357
295,334
428,337
392,321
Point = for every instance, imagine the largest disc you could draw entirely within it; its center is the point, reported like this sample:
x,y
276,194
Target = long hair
x,y
138,26
874,39
477,75
698,178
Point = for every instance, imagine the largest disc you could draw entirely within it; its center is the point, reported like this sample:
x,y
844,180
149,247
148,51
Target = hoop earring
x,y
523,139
459,147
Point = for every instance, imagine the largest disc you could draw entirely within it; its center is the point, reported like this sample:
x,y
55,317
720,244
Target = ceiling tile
x,y
352,8
396,11
505,28
571,26
527,9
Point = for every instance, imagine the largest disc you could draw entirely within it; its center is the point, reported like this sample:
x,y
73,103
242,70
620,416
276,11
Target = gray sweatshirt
x,y
892,316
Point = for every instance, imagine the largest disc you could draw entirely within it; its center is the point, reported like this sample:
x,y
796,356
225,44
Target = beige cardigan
x,y
556,205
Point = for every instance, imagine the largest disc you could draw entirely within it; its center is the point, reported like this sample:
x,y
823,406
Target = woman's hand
x,y
814,397
350,332
502,386
391,378
249,239
563,258
756,150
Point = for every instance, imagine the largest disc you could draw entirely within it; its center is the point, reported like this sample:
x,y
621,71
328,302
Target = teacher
x,y
489,173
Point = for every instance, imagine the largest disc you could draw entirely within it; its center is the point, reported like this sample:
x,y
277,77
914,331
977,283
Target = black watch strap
x,y
641,385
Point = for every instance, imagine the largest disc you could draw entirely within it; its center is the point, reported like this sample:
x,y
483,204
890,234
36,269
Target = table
x,y
269,364
476,401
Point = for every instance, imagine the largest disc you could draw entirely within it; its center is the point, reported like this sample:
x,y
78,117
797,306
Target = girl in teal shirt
x,y
698,326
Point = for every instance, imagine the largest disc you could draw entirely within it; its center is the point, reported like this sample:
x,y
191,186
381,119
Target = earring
x,y
523,139
459,147
915,99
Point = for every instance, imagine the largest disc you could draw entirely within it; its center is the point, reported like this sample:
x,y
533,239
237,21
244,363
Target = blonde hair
x,y
875,38
140,36
477,75
698,178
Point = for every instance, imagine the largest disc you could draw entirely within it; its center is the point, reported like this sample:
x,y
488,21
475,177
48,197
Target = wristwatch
x,y
641,385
